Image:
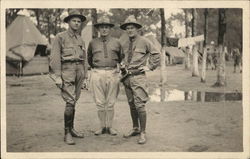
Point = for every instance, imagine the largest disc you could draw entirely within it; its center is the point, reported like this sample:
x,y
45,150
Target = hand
x,y
58,82
144,69
85,84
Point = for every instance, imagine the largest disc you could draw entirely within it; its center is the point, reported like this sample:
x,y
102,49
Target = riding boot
x,y
68,116
142,119
135,131
109,122
102,119
74,133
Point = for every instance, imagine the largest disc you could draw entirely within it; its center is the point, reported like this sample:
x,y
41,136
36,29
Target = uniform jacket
x,y
67,46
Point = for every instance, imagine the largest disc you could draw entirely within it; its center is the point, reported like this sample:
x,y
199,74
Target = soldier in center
x,y
141,56
104,55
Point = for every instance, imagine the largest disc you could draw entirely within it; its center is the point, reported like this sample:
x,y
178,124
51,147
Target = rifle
x,y
53,77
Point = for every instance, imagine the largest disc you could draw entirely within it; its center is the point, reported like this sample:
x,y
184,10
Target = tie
x,y
130,51
105,48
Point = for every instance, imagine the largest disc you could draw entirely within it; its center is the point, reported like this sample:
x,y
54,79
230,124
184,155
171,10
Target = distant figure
x,y
211,56
237,59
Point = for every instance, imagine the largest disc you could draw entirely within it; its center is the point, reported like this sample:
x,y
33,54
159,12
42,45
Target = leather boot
x,y
134,115
68,137
68,116
73,132
102,119
133,132
142,119
110,117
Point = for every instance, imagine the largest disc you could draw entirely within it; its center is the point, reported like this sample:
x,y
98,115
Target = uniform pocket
x,y
68,54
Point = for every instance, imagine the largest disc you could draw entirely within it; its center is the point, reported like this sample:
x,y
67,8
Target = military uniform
x,y
68,60
104,54
137,51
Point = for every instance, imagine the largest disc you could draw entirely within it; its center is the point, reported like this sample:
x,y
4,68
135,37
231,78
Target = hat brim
x,y
123,26
66,19
99,24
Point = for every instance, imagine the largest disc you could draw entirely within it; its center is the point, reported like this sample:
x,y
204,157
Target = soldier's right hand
x,y
58,82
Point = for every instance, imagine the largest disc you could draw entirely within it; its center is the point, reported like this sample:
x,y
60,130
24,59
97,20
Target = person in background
x,y
237,59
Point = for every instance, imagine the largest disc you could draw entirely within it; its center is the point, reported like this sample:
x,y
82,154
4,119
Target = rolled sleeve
x,y
154,56
55,58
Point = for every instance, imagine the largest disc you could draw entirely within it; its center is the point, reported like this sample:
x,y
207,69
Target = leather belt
x,y
78,62
135,72
104,68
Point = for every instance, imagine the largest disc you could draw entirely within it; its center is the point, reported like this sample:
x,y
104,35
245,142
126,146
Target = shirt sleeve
x,y
85,64
154,56
55,58
90,55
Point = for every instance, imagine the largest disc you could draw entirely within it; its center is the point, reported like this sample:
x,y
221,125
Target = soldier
x,y
104,54
237,59
68,58
138,50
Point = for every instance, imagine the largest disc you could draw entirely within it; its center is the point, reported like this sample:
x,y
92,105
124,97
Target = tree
x,y
188,34
204,57
11,14
94,21
221,74
195,71
163,45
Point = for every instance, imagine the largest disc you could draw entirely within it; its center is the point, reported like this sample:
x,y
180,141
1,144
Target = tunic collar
x,y
72,33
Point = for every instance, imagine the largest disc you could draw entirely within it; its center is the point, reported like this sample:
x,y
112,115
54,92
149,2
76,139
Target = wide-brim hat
x,y
74,13
130,21
103,21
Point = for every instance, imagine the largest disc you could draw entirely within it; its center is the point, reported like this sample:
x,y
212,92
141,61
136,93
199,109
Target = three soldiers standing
x,y
105,55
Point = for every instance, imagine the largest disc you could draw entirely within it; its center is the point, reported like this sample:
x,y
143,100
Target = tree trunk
x,y
187,29
49,29
94,21
163,45
37,13
195,69
204,61
204,58
221,74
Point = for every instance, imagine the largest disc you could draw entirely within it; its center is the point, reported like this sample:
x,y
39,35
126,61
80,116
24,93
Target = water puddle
x,y
164,95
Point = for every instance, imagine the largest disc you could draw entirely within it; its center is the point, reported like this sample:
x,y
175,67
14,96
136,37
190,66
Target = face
x,y
75,23
104,30
131,30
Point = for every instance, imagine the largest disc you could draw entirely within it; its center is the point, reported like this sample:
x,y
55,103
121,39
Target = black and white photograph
x,y
117,79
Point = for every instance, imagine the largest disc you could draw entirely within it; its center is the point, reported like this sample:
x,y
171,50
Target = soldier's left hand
x,y
85,84
144,69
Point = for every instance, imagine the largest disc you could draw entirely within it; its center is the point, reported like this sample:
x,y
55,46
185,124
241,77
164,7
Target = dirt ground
x,y
35,118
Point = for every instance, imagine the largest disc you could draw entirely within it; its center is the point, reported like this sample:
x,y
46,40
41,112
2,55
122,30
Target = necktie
x,y
105,48
130,51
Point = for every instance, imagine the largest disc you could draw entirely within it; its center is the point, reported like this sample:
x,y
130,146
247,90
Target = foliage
x,y
49,21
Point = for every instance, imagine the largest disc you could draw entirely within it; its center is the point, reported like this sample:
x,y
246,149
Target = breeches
x,y
105,88
72,77
135,88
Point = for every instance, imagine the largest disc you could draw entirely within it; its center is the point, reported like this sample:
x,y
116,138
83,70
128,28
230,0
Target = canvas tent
x,y
25,48
175,55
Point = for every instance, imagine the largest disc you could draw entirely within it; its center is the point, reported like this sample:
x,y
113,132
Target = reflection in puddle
x,y
163,95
